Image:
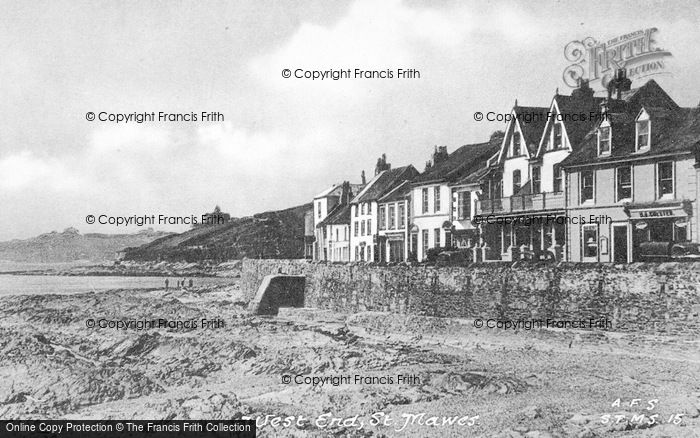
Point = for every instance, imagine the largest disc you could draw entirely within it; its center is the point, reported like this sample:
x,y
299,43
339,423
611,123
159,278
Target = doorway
x,y
620,243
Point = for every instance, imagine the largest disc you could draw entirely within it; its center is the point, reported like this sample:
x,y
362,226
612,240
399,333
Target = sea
x,y
57,284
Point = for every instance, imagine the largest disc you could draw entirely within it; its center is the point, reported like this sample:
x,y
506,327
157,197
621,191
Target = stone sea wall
x,y
649,297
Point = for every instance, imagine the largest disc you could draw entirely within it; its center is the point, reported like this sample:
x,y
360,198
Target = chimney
x,y
364,180
584,91
346,193
439,155
619,84
381,165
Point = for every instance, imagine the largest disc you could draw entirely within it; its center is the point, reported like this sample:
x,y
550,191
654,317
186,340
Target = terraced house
x,y
329,218
441,197
611,178
634,179
364,209
393,221
507,187
528,219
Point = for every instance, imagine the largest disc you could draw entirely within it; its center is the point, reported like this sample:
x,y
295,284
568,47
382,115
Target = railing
x,y
530,202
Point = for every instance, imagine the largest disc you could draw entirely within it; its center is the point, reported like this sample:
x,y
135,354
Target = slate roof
x,y
673,129
337,189
340,215
532,124
460,163
478,174
577,129
398,193
384,182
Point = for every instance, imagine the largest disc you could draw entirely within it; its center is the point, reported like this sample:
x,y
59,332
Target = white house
x,y
432,195
393,222
323,204
364,211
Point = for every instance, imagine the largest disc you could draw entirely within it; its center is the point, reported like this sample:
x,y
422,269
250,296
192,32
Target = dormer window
x,y
642,135
557,136
516,144
604,134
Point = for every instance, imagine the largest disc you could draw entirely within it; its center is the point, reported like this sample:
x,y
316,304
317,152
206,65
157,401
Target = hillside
x,y
273,234
70,246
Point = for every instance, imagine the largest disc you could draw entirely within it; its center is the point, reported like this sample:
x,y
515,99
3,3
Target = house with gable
x,y
507,187
633,181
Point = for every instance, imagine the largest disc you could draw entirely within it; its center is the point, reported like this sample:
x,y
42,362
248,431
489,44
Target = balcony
x,y
518,203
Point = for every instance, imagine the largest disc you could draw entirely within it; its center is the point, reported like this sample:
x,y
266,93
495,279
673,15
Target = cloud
x,y
284,139
23,170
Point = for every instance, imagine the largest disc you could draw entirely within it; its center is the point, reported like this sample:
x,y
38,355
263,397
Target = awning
x,y
675,210
394,236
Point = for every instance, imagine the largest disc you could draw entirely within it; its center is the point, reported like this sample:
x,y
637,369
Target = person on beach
x,y
167,282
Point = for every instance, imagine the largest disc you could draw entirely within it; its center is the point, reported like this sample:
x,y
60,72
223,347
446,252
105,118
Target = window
x,y
318,207
425,200
680,230
357,227
507,237
604,140
364,207
590,241
424,235
587,186
402,219
536,179
436,233
362,228
382,219
624,183
516,181
369,253
557,135
369,208
356,208
464,205
336,234
392,216
558,185
516,144
436,192
642,134
665,179
369,227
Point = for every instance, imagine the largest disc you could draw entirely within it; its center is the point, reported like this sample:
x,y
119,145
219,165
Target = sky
x,y
282,139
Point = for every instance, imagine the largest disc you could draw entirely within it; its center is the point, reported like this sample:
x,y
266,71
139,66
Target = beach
x,y
197,353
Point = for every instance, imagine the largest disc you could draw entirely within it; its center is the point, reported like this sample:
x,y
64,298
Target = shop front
x,y
659,225
395,247
631,233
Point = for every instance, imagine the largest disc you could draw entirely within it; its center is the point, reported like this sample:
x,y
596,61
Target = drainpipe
x,y
567,230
